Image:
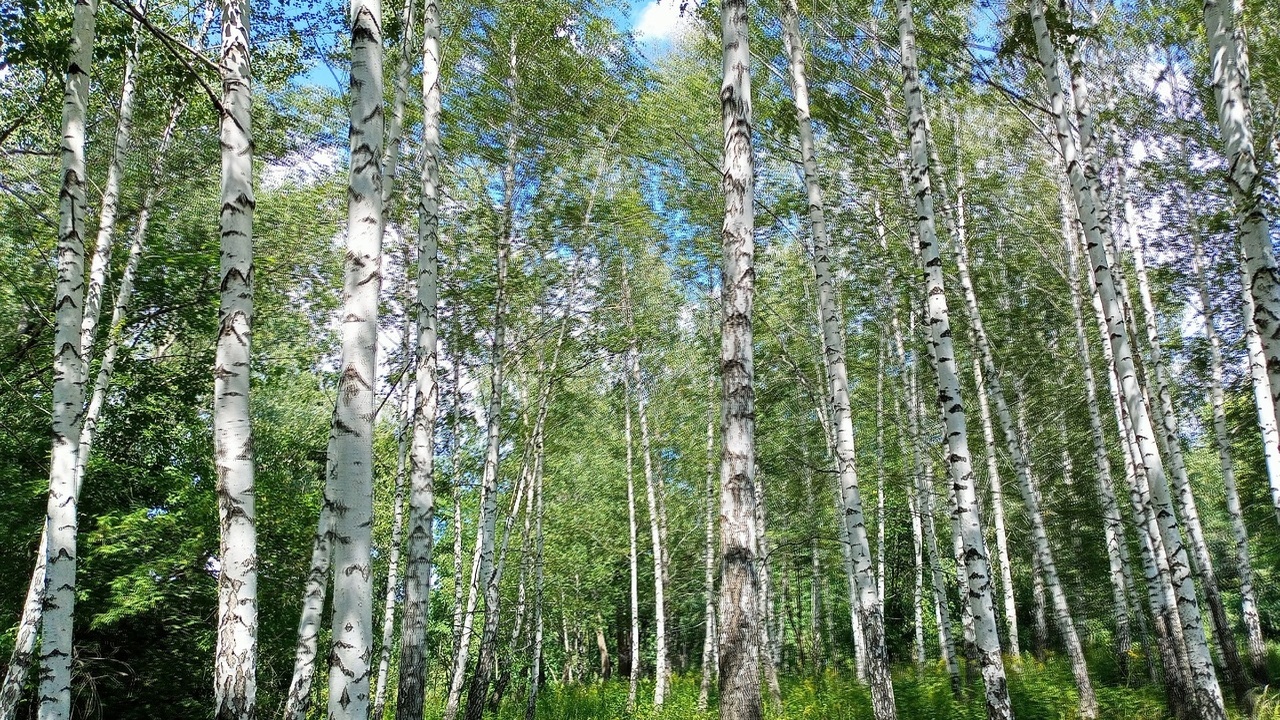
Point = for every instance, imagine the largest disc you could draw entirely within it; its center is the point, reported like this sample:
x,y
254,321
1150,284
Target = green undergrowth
x,y
1039,691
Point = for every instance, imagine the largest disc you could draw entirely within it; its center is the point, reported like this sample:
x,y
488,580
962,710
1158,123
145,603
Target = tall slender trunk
x,y
868,597
653,489
100,264
1267,425
1229,73
739,585
1161,595
1189,513
235,665
917,597
535,670
880,482
307,648
485,657
634,558
923,523
965,515
487,527
1048,571
1208,693
349,492
708,552
996,490
32,606
1240,534
456,466
426,393
68,380
768,612
393,559
1113,525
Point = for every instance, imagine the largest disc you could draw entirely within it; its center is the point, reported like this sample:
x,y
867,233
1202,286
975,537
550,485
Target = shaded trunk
x,y
708,552
634,558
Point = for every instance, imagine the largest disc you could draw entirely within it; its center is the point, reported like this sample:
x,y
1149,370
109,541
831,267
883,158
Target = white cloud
x,y
660,21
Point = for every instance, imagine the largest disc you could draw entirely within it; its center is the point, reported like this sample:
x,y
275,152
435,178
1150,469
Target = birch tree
x,y
739,609
876,663
965,515
349,490
59,593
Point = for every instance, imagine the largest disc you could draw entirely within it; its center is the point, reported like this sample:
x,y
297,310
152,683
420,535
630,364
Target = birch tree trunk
x,y
235,665
349,492
455,463
393,559
634,557
1189,513
535,671
417,599
880,480
708,553
917,597
768,613
1229,73
307,649
965,516
1048,572
923,526
996,489
1244,566
1262,398
739,615
1208,694
1113,527
868,598
68,380
32,606
100,265
652,490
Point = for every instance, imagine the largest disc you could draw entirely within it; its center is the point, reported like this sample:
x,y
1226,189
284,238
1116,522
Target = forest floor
x,y
1039,691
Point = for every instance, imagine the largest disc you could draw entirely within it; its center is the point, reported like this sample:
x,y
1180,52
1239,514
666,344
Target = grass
x,y
1039,691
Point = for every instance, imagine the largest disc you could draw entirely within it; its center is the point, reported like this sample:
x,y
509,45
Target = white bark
x,y
708,553
868,597
426,393
633,557
965,515
1113,526
739,616
917,597
1262,398
996,489
1239,533
1229,72
308,644
535,671
100,265
990,382
1168,418
349,492
235,665
392,590
769,655
1208,695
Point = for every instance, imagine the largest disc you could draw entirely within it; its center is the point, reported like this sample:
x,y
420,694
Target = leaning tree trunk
x,y
923,526
307,647
739,612
413,651
1229,73
1113,525
100,265
1161,595
996,489
977,565
68,381
1208,695
990,381
349,491
32,606
708,554
876,662
235,664
1267,425
1188,512
487,531
1244,566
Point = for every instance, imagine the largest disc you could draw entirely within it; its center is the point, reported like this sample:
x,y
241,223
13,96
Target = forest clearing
x,y
662,359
